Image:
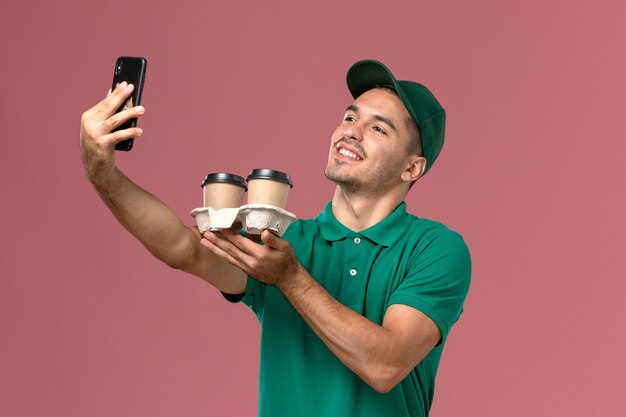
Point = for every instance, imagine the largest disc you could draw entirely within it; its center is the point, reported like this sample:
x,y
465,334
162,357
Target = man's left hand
x,y
272,263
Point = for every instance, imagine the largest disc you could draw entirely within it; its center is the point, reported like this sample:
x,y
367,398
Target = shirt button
x,y
353,272
357,240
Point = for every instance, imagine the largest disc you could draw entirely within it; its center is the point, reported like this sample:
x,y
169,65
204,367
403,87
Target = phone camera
x,y
118,69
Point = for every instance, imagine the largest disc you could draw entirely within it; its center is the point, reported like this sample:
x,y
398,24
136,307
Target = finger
x,y
224,242
122,117
109,105
120,135
247,245
118,97
101,107
234,254
272,240
217,251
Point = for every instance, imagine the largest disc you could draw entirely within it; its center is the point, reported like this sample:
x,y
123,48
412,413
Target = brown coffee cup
x,y
266,186
222,190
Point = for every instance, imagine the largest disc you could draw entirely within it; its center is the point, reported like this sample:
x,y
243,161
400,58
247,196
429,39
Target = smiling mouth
x,y
347,153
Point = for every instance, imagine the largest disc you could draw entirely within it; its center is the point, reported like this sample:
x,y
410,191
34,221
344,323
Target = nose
x,y
353,131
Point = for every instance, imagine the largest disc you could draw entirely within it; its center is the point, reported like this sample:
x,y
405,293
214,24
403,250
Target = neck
x,y
358,212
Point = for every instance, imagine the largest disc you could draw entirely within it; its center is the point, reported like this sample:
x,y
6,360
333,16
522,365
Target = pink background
x,y
532,175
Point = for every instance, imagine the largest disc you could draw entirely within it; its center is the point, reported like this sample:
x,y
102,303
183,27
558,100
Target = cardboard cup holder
x,y
254,218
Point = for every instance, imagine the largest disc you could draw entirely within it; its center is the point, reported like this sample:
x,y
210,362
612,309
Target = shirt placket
x,y
356,270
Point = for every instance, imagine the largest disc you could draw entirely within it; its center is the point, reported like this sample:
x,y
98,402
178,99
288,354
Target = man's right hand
x,y
97,139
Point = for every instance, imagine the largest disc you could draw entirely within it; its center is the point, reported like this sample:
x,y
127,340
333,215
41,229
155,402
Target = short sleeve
x,y
233,298
255,291
254,297
438,280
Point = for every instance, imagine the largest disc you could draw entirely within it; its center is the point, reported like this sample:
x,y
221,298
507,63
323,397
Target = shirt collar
x,y
383,233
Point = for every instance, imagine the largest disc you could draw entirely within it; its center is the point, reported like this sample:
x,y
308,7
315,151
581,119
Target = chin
x,y
345,181
332,171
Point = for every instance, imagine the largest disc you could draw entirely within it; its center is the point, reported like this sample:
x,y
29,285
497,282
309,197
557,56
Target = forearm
x,y
154,224
147,218
368,349
381,355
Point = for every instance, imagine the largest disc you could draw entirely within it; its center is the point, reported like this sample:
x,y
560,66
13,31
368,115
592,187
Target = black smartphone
x,y
132,70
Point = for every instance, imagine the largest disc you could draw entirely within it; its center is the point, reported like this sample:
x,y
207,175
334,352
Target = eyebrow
x,y
379,117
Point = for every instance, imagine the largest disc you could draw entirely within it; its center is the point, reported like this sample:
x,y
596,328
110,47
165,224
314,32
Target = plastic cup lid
x,y
224,177
269,174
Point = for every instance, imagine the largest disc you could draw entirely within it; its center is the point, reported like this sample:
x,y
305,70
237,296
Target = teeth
x,y
349,154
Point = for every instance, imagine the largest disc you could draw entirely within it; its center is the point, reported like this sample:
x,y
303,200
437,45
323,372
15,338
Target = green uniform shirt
x,y
401,260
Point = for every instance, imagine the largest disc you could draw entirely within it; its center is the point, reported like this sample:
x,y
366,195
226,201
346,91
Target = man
x,y
356,304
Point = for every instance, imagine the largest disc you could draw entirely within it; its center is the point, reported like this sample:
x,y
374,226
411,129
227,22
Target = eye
x,y
380,130
349,118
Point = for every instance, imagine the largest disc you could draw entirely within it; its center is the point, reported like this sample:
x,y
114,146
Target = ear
x,y
415,169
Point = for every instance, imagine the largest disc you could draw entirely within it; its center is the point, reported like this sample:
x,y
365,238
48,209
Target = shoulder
x,y
435,245
431,234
